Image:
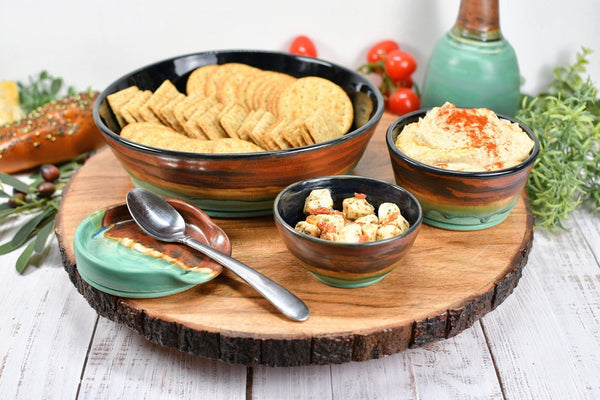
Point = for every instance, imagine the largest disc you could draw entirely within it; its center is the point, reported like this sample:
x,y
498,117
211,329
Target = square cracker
x,y
295,133
130,110
306,138
118,99
197,109
193,130
199,106
168,114
146,114
231,118
180,108
209,123
263,124
322,126
161,96
274,137
248,124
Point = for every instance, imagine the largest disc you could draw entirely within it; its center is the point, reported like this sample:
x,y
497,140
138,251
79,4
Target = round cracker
x,y
240,93
216,78
196,82
273,100
256,85
152,134
275,84
309,94
227,89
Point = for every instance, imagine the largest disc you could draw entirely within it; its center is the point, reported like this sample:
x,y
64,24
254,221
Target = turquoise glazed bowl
x,y
115,256
459,200
346,265
239,185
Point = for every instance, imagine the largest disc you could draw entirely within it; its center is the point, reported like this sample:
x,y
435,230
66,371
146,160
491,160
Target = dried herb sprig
x,y
566,121
27,198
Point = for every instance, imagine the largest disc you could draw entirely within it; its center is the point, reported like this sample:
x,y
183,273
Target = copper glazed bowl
x,y
347,265
240,185
459,200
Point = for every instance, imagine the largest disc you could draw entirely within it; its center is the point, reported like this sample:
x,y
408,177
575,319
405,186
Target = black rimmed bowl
x,y
240,185
459,200
347,265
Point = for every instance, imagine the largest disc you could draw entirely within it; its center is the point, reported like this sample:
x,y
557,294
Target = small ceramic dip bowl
x,y
459,200
114,255
346,265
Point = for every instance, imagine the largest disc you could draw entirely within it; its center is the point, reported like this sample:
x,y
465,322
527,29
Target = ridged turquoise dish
x,y
115,256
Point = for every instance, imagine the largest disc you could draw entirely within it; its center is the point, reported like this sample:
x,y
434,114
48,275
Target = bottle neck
x,y
478,20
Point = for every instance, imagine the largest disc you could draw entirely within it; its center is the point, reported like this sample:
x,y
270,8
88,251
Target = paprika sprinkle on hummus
x,y
465,139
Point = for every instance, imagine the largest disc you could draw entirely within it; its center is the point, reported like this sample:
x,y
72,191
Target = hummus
x,y
464,139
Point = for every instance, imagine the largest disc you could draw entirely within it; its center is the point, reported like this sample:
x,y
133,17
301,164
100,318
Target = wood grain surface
x,y
447,282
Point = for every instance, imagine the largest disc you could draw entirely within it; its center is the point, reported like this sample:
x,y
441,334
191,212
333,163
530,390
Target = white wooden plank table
x,y
543,342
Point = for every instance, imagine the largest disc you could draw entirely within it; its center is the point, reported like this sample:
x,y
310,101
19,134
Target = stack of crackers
x,y
235,107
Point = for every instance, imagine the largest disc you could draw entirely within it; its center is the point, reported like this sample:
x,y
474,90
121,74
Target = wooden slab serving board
x,y
448,281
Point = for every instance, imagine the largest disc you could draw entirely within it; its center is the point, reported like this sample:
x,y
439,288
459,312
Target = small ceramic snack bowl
x,y
459,200
114,255
346,265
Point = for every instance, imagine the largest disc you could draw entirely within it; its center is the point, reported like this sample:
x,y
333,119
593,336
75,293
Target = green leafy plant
x,y
32,199
566,120
40,90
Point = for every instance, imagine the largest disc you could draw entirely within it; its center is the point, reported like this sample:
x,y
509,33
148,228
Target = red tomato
x,y
379,49
303,46
400,83
403,101
399,64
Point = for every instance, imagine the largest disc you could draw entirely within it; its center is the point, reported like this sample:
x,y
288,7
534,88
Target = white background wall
x,y
92,43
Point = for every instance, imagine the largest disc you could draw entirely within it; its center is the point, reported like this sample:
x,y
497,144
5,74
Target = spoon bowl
x,y
114,255
155,216
163,222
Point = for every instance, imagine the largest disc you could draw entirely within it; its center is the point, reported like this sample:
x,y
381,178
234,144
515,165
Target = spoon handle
x,y
284,300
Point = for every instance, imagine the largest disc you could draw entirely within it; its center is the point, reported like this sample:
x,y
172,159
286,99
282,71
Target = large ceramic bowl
x,y
235,185
459,200
339,264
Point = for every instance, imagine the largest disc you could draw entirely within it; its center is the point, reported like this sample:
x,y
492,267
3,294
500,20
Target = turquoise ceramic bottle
x,y
473,65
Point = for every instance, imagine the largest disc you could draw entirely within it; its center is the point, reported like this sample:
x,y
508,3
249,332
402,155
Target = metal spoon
x,y
160,220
